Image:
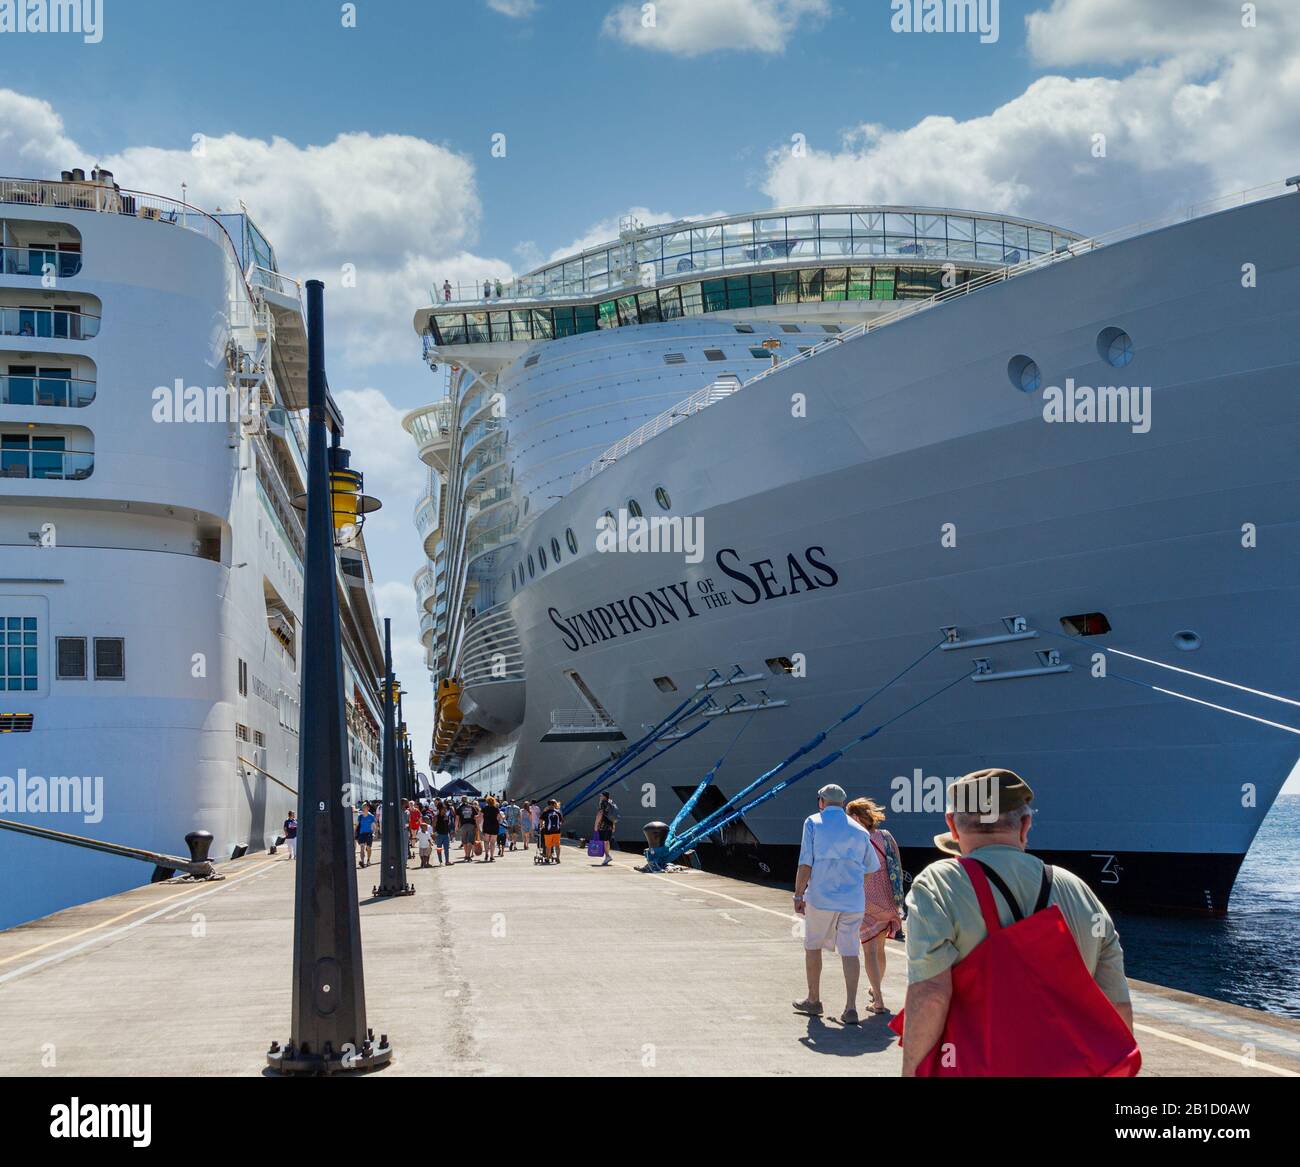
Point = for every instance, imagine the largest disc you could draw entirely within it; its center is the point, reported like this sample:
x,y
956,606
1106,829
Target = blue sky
x,y
371,145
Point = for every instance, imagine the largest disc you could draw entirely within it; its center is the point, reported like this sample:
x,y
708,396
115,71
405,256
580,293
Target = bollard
x,y
656,834
199,843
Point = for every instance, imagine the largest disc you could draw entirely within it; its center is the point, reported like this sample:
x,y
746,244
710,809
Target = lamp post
x,y
392,855
328,1028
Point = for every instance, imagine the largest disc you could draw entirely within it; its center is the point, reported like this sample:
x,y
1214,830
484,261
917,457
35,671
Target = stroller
x,y
540,857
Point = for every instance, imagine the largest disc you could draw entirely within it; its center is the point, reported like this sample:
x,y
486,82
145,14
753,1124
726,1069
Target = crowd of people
x,y
485,828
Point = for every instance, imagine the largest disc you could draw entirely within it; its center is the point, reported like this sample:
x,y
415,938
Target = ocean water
x,y
1252,956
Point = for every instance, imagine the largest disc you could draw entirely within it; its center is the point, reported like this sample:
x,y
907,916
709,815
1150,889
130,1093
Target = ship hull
x,y
913,488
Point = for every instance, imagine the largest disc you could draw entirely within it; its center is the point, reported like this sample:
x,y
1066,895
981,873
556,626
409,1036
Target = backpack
x,y
610,811
1023,1002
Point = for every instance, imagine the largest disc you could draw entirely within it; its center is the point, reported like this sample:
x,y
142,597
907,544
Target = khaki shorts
x,y
832,931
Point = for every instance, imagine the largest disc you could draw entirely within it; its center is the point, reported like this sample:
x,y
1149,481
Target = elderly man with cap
x,y
988,820
835,857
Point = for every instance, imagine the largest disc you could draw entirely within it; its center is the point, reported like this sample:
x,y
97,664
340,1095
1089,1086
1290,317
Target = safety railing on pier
x,y
703,398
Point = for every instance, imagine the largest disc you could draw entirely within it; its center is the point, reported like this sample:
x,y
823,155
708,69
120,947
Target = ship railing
x,y
48,323
34,261
701,398
63,392
59,465
491,650
580,719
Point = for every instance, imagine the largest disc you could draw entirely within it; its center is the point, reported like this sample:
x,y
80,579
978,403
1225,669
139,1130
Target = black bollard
x,y
199,843
656,834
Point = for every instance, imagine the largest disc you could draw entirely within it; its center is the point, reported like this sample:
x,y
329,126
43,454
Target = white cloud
x,y
516,9
1213,114
32,139
689,28
383,451
1075,32
396,600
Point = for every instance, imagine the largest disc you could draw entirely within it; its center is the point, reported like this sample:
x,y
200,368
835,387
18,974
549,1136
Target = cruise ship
x,y
853,406
152,374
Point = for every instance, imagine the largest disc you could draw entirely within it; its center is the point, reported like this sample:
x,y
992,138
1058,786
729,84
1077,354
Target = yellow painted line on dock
x,y
1218,1053
107,923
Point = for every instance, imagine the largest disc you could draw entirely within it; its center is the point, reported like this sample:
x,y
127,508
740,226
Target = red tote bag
x,y
1024,1005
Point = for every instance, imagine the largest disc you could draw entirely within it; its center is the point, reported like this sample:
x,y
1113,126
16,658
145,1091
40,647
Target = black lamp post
x,y
328,1031
392,855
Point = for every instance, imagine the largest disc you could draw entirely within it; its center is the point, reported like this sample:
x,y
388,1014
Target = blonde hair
x,y
491,801
867,811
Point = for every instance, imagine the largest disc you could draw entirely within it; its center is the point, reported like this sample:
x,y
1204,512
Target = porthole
x,y
1024,373
541,558
514,582
555,549
572,540
633,508
1115,347
527,500
1186,640
532,570
661,497
610,523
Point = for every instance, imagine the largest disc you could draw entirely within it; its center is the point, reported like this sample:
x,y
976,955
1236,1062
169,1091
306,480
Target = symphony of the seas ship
x,y
948,445
152,363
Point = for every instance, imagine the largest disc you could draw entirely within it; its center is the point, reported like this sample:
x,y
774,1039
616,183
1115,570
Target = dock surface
x,y
501,969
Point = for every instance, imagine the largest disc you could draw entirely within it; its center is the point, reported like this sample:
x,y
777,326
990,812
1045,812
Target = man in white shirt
x,y
835,858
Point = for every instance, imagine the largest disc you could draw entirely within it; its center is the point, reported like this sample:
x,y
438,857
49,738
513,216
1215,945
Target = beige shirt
x,y
944,922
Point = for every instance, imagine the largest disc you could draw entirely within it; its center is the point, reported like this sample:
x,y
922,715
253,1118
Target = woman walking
x,y
491,826
883,919
443,820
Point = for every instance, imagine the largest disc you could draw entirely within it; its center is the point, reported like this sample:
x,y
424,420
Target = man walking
x,y
835,858
988,821
291,834
606,821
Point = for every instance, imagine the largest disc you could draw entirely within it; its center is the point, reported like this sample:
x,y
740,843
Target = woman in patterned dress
x,y
883,919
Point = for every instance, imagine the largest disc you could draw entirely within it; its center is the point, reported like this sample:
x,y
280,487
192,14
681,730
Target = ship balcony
x,y
40,262
478,433
430,427
428,523
39,249
488,503
425,585
46,452
55,318
427,625
582,725
46,387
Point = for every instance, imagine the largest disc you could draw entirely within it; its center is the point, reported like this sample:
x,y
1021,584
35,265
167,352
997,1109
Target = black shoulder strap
x,y
996,880
1045,889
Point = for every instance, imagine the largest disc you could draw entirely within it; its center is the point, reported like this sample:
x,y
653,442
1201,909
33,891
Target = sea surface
x,y
1250,957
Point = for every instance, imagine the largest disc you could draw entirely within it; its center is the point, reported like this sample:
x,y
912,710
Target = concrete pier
x,y
503,968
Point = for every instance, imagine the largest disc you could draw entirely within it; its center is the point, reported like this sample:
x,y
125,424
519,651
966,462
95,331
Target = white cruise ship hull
x,y
915,431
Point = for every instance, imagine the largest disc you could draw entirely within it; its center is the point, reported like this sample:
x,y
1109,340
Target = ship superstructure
x,y
152,370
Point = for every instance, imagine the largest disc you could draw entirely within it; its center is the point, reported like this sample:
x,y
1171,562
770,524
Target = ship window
x,y
1115,347
555,549
241,733
633,508
610,522
665,685
1024,373
572,540
531,361
674,358
1088,624
20,661
780,665
789,328
16,722
661,497
532,569
541,558
514,581
259,738
714,354
744,328
70,653
830,328
110,658
760,354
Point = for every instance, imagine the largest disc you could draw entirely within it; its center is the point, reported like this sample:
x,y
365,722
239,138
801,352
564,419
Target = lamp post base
x,y
291,1059
384,892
